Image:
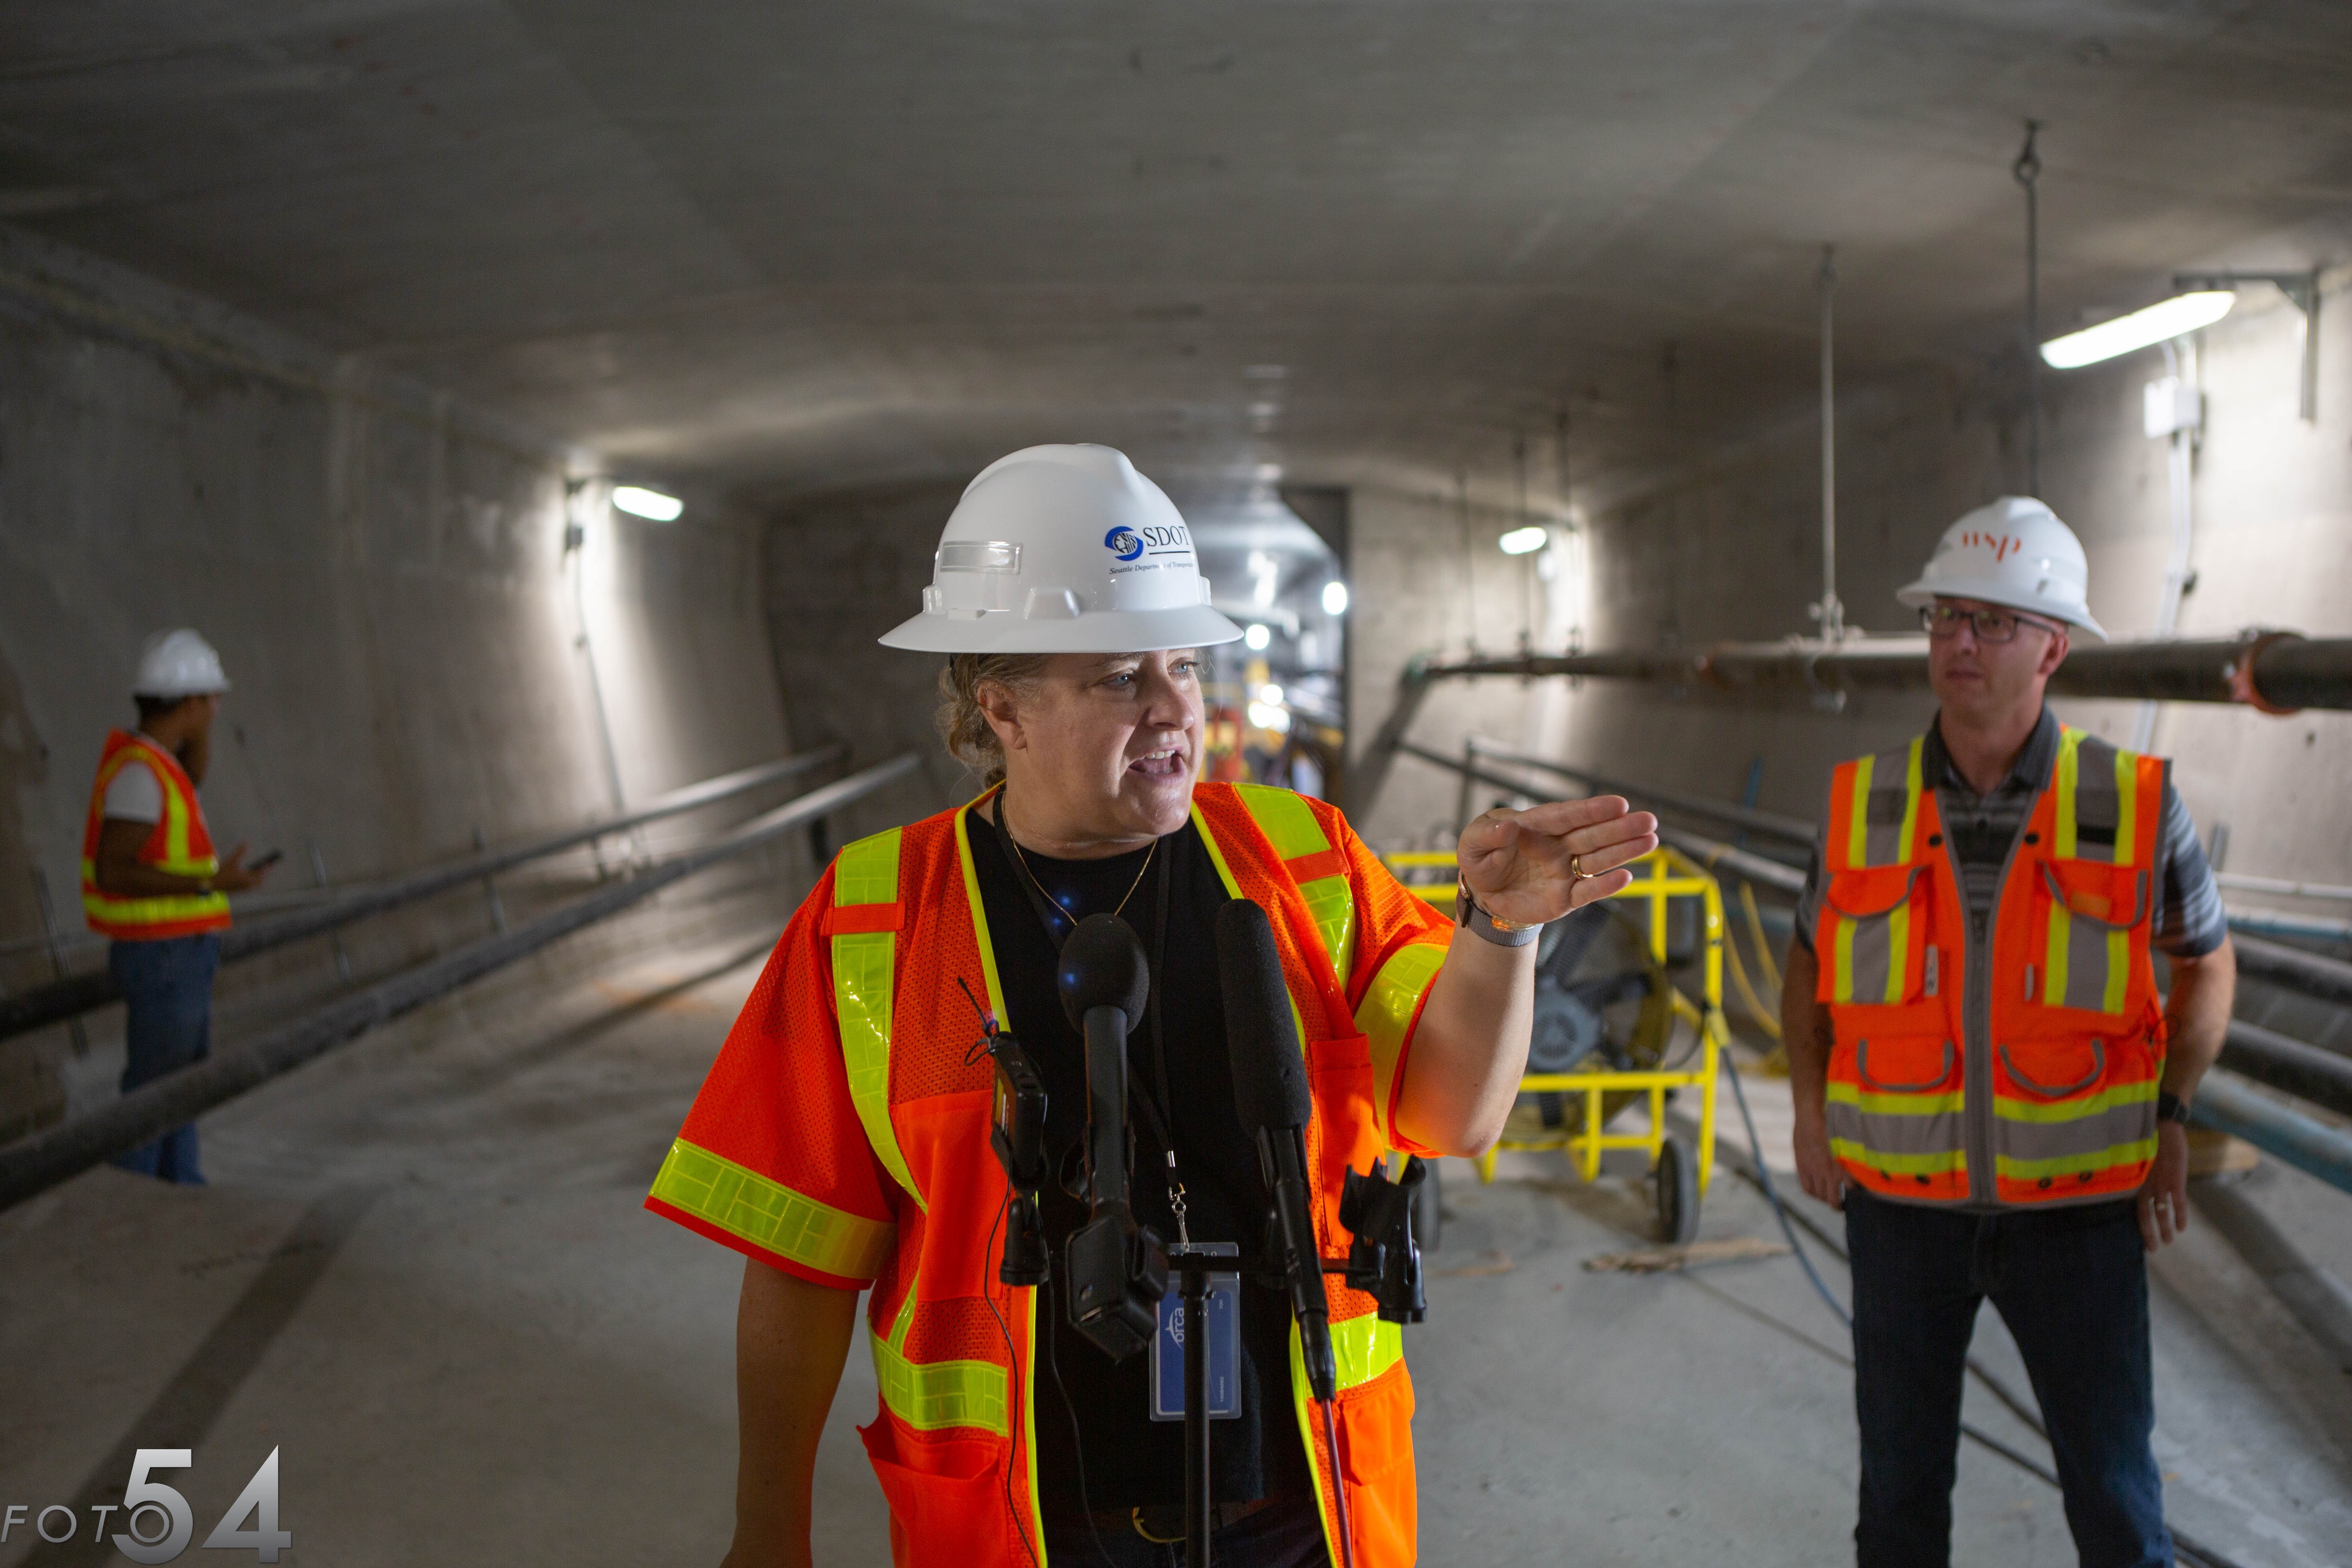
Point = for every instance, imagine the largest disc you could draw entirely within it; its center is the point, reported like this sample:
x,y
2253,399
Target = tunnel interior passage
x,y
542,409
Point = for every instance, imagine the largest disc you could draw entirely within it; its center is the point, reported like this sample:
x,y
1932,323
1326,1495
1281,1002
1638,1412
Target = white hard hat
x,y
1064,549
178,664
2014,553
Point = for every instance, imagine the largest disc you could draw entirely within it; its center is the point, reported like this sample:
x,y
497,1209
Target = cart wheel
x,y
1427,1216
1677,1177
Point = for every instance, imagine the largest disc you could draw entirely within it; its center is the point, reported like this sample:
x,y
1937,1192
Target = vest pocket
x,y
2090,912
1895,1115
1376,1450
1873,939
955,1490
2073,1117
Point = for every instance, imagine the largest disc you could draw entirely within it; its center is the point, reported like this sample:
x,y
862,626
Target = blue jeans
x,y
167,986
2072,1285
1287,1534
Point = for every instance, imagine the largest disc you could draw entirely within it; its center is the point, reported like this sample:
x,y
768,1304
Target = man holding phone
x,y
151,881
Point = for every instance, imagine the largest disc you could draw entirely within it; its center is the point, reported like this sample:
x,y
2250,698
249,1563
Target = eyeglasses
x,y
1941,621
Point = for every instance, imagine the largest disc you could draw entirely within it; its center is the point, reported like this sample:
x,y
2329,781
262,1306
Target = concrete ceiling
x,y
795,247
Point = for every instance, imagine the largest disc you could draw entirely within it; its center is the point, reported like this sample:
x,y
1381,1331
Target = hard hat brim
x,y
174,694
1991,591
1096,632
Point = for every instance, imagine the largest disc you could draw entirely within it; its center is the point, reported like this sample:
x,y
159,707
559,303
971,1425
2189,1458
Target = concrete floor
x,y
421,1274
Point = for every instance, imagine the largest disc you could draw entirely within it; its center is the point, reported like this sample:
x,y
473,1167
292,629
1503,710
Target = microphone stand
x,y
1194,1268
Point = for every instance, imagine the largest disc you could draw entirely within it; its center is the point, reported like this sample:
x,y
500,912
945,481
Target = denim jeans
x,y
2072,1285
1287,1534
167,987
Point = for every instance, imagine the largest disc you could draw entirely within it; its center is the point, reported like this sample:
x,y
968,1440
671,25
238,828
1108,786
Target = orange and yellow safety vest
x,y
2014,1067
843,1136
180,844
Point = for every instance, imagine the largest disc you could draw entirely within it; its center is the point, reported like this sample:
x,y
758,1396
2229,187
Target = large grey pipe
x,y
40,1162
80,993
2275,671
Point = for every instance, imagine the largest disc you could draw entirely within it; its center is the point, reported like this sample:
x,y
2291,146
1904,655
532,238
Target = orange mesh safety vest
x,y
180,844
952,1443
2017,1069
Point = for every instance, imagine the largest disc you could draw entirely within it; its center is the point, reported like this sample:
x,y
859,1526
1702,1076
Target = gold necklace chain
x,y
1023,862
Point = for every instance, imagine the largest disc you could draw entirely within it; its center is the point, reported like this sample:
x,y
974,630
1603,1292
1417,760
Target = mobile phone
x,y
267,860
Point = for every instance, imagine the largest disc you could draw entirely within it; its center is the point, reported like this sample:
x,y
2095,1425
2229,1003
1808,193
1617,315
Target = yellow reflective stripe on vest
x,y
2126,809
2129,1154
1937,1164
743,1203
1857,831
1911,792
2064,778
1386,1014
1289,825
1363,1348
930,1394
863,967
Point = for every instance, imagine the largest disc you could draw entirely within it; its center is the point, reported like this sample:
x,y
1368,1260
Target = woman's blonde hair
x,y
962,722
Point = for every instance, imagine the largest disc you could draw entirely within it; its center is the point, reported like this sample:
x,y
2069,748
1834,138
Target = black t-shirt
x,y
1130,1460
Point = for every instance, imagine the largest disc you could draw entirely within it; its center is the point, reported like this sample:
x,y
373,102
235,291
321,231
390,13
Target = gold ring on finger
x,y
1576,871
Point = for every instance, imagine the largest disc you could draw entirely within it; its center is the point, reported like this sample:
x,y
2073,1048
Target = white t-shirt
x,y
135,793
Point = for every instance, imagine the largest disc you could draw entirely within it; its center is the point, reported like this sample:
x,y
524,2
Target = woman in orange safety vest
x,y
842,1139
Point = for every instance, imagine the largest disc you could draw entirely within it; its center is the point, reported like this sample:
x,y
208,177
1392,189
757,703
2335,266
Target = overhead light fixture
x,y
1521,541
650,505
1256,637
1270,695
1335,599
1273,719
2174,317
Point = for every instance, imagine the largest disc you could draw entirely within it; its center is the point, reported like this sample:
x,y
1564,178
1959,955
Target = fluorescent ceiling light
x,y
1335,599
651,505
2175,318
1519,541
1256,637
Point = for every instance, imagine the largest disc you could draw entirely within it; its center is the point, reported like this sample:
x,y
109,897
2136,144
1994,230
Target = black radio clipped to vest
x,y
1017,1133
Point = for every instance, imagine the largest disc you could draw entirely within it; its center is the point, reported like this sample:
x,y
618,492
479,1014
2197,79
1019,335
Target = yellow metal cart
x,y
1682,1172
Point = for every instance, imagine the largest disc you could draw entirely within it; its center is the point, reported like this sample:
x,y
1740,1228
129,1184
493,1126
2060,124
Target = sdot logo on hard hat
x,y
1123,543
1999,543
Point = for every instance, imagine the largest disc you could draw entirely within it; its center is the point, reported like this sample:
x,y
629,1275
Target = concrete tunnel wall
x,y
384,573
1731,551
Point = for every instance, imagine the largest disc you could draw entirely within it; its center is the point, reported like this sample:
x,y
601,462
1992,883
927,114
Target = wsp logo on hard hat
x,y
1999,543
1124,543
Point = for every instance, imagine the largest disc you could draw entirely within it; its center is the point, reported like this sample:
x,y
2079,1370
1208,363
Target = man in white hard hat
x,y
844,1137
1986,1077
151,881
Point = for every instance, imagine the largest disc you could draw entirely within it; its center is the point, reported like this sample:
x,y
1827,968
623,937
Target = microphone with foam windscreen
x,y
1270,1095
1116,1269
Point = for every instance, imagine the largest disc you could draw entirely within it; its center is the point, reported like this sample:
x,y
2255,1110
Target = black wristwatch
x,y
2171,1107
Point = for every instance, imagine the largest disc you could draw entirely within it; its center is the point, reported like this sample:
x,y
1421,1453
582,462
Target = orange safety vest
x,y
180,844
2019,1070
953,1443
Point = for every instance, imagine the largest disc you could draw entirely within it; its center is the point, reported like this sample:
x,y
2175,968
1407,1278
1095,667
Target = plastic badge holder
x,y
1224,1313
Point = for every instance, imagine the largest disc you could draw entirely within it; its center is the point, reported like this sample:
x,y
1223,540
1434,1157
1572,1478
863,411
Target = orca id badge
x,y
1224,1313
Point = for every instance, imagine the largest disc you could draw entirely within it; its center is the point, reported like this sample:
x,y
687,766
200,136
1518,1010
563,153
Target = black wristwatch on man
x,y
2171,1107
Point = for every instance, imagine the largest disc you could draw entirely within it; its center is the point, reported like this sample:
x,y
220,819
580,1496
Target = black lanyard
x,y
1058,923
